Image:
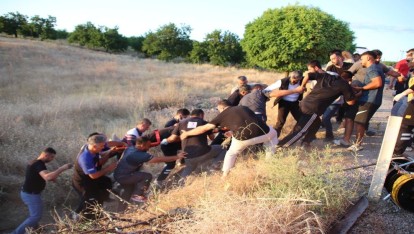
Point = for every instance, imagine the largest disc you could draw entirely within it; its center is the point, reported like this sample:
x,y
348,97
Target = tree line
x,y
281,39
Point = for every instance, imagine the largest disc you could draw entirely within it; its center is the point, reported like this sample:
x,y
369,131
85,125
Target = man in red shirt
x,y
403,68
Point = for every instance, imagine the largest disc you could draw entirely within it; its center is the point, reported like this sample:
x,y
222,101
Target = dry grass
x,y
289,193
55,95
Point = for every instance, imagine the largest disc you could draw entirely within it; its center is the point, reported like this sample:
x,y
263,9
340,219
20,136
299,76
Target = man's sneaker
x,y
370,133
355,148
139,198
341,142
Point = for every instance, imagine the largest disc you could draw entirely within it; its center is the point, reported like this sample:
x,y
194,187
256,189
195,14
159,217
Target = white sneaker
x,y
409,149
355,148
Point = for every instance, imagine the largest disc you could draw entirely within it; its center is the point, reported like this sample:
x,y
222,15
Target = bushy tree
x,y
112,41
86,35
223,48
62,34
199,53
13,23
40,28
287,38
37,27
98,37
168,42
136,43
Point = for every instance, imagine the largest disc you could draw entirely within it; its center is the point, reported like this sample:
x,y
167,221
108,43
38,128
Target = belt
x,y
30,192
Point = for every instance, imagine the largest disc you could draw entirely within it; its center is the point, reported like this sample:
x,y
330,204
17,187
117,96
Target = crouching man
x,y
128,174
245,129
89,179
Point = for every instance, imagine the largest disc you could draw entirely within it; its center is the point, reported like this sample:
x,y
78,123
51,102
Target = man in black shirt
x,y
180,115
34,183
196,147
245,129
326,90
171,149
407,124
236,96
338,64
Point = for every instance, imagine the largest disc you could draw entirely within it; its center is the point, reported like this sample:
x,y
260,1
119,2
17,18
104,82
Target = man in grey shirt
x,y
256,101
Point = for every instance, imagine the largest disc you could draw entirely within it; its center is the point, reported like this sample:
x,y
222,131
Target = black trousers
x,y
284,109
91,193
404,138
307,125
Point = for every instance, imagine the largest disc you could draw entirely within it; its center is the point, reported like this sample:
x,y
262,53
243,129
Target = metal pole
x,y
384,157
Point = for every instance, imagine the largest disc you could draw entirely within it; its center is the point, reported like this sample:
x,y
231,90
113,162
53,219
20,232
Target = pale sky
x,y
379,24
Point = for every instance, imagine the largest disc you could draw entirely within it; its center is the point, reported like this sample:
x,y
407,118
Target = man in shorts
x,y
371,98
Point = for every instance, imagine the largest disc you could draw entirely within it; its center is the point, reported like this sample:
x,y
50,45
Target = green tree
x,y
13,23
223,48
48,28
136,43
86,35
199,53
112,41
287,38
168,42
62,34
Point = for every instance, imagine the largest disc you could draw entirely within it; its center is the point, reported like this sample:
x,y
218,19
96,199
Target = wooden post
x,y
384,157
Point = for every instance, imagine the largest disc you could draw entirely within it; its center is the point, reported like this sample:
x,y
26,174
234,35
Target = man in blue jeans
x,y
35,182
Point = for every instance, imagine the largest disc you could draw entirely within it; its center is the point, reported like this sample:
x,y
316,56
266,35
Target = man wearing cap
x,y
35,182
289,92
403,68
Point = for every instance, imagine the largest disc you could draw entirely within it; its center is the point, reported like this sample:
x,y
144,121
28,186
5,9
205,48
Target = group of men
x,y
356,88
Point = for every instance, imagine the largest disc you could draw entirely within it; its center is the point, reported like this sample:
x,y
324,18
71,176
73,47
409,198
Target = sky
x,y
379,24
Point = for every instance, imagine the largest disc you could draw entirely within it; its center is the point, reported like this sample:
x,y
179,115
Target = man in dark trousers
x,y
89,179
171,149
196,147
245,129
34,183
289,92
327,89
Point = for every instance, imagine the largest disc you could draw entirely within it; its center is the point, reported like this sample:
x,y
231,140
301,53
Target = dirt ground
x,y
381,217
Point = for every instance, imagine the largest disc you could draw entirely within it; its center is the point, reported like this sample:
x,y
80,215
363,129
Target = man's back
x,y
131,161
242,122
327,89
197,145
